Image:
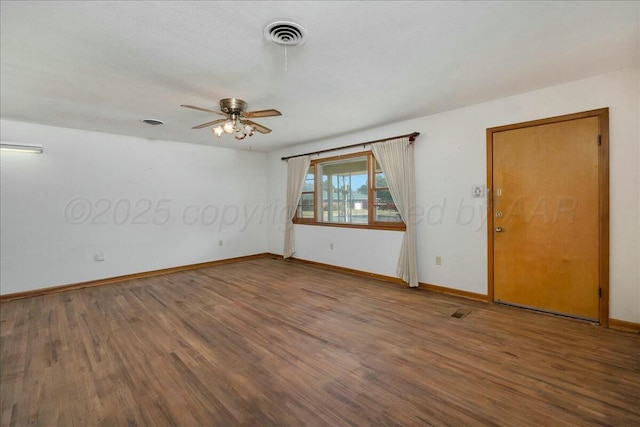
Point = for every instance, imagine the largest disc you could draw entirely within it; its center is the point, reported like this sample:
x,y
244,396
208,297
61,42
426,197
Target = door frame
x,y
603,200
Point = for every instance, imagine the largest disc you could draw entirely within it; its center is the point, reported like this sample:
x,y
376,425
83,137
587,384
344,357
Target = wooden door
x,y
546,208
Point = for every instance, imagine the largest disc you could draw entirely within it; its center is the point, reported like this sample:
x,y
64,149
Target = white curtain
x,y
396,159
296,174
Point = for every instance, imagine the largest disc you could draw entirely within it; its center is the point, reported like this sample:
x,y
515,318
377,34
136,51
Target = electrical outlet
x,y
331,246
98,257
478,191
220,243
438,260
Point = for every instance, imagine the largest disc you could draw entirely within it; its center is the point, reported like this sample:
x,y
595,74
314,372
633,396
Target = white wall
x,y
144,204
451,158
47,239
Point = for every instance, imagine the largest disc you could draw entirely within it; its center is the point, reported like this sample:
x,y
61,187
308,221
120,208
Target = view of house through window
x,y
348,191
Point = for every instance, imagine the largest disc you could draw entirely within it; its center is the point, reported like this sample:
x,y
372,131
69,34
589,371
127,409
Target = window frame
x,y
371,189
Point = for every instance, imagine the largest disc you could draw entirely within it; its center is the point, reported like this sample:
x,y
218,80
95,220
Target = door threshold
x,y
550,312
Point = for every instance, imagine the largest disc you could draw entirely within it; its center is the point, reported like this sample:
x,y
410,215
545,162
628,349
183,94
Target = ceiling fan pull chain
x,y
285,57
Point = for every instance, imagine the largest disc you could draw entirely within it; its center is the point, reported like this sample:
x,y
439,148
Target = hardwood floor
x,y
270,342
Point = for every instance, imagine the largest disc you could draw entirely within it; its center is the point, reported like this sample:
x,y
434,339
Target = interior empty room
x,y
320,213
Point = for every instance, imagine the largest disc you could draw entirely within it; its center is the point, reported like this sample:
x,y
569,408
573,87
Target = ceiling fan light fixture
x,y
237,121
228,126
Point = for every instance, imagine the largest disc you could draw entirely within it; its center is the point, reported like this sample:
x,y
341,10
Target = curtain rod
x,y
412,137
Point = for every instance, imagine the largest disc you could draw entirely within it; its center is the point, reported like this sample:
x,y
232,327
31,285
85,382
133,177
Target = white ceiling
x,y
104,66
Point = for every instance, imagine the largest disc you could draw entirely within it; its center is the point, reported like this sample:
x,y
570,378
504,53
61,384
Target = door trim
x,y
603,200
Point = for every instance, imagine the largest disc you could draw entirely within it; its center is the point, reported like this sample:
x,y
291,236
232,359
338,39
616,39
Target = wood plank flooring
x,y
270,342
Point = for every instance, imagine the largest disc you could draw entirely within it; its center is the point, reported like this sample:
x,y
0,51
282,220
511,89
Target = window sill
x,y
378,226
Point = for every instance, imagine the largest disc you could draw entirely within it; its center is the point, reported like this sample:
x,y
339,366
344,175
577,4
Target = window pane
x,y
345,192
381,180
305,207
309,180
385,208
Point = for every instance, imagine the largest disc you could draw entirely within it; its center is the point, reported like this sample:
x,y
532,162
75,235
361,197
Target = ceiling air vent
x,y
152,122
285,33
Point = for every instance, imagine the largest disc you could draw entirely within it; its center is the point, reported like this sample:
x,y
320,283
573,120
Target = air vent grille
x,y
152,122
461,313
285,33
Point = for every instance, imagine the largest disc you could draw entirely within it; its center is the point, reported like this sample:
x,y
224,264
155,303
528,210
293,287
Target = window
x,y
349,191
384,208
344,191
306,206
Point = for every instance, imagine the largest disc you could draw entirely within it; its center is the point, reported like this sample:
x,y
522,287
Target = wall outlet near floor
x,y
331,246
98,257
220,243
438,260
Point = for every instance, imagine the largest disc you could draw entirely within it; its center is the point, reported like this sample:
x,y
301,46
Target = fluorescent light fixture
x,y
22,147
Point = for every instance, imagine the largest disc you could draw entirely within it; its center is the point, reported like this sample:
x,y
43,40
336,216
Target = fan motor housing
x,y
232,105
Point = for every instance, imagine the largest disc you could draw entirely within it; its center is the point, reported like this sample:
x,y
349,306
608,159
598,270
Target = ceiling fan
x,y
236,118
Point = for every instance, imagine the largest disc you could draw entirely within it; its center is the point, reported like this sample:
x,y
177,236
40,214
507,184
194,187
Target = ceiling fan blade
x,y
206,125
203,109
261,113
256,126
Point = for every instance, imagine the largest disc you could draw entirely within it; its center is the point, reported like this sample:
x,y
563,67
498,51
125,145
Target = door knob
x,y
498,229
